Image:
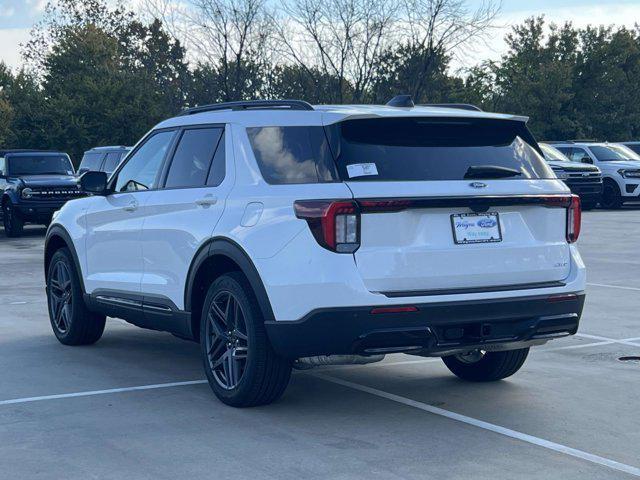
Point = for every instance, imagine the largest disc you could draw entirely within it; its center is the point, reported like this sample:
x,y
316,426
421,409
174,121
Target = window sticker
x,y
362,169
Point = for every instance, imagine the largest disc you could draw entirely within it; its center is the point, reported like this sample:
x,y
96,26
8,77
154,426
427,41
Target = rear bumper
x,y
434,329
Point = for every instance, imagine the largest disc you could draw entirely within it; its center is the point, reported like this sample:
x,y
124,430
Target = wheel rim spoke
x,y
227,341
60,297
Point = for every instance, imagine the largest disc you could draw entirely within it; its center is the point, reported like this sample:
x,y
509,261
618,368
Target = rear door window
x,y
288,155
218,167
417,149
192,158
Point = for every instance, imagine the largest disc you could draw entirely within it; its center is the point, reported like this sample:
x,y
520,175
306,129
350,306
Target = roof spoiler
x,y
405,101
459,106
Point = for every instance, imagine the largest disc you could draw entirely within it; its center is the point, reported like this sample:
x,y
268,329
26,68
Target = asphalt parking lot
x,y
135,405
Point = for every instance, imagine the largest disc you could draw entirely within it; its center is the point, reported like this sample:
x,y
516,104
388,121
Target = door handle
x,y
133,206
207,201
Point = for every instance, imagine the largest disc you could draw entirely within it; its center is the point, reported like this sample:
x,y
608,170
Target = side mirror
x,y
586,160
94,182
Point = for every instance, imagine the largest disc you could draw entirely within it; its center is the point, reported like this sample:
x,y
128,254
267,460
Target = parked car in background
x,y
635,146
281,234
33,185
620,168
103,159
583,179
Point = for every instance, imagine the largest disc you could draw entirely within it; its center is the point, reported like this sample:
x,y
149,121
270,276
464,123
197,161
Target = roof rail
x,y
459,106
249,105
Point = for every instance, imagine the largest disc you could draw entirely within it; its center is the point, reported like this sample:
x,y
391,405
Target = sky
x,y
18,16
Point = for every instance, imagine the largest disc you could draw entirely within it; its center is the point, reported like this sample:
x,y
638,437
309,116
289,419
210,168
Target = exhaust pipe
x,y
307,363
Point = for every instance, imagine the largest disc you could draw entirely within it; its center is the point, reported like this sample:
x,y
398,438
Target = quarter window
x,y
292,154
192,158
141,170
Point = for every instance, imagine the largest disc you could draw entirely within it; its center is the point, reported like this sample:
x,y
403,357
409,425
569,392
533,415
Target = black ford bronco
x,y
34,184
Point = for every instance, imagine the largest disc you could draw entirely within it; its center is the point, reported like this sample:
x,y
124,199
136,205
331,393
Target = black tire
x,y
589,205
72,322
13,221
488,367
611,196
257,376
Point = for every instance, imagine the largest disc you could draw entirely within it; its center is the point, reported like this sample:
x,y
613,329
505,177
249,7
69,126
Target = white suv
x,y
282,235
620,167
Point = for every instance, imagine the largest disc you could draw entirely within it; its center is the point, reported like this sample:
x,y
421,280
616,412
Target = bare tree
x,y
225,34
434,29
337,44
339,38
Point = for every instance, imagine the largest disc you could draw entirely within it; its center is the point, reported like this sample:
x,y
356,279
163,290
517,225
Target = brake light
x,y
385,205
574,219
335,224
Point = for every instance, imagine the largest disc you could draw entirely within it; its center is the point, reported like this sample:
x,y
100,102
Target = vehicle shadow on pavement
x,y
30,231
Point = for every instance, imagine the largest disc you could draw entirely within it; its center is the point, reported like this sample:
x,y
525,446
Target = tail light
x,y
574,219
335,224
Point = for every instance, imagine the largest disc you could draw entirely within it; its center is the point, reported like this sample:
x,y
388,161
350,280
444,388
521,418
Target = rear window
x,y
416,149
292,154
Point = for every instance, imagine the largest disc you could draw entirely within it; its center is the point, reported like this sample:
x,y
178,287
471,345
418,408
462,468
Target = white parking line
x,y
321,369
581,345
622,341
100,392
621,287
557,447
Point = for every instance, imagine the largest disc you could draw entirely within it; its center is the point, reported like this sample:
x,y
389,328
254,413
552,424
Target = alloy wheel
x,y
61,296
226,340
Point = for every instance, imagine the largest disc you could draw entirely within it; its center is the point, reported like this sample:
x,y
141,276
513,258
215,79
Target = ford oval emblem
x,y
487,223
477,185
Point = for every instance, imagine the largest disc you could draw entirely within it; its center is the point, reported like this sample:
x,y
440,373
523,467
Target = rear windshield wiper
x,y
490,171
